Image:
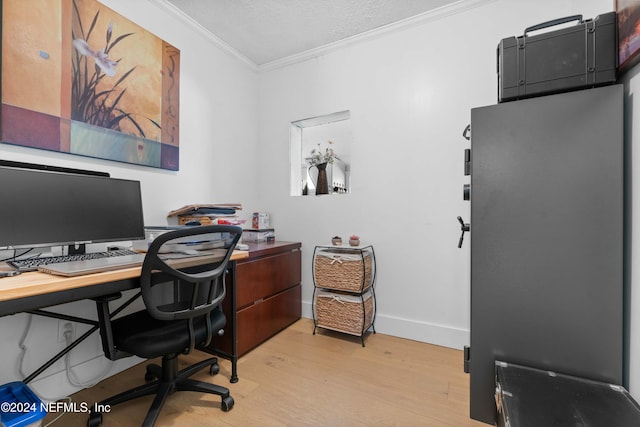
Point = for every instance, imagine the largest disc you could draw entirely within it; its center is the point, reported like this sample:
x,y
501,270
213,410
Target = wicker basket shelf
x,y
343,270
344,297
347,313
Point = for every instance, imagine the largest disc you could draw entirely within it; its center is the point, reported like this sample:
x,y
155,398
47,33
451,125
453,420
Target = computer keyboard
x,y
32,264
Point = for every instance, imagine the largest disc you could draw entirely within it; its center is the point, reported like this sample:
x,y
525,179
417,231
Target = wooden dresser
x,y
268,295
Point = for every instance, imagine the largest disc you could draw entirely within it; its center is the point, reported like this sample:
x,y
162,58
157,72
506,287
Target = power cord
x,y
23,347
15,255
23,353
71,375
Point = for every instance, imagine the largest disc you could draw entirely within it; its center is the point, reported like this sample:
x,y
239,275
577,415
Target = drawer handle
x,y
258,301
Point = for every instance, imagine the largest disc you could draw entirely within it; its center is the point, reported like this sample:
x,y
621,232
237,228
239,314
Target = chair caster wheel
x,y
150,375
214,369
227,403
95,419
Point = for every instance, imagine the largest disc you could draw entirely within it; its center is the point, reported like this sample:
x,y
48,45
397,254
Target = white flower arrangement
x,y
318,156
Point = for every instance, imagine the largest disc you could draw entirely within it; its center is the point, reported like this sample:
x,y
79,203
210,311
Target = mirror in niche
x,y
320,154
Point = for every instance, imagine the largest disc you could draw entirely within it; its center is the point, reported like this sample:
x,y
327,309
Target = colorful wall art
x,y
79,78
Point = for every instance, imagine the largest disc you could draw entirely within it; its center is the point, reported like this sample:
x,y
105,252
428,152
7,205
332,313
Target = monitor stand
x,y
77,249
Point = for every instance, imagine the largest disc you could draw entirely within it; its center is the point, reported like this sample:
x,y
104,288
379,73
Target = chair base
x,y
165,380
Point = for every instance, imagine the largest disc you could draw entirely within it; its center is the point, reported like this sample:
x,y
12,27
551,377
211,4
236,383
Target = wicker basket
x,y
343,312
345,270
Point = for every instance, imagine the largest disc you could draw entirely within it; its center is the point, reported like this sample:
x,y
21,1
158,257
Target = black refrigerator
x,y
547,238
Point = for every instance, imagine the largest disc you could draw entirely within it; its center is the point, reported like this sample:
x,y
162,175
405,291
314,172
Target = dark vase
x,y
322,187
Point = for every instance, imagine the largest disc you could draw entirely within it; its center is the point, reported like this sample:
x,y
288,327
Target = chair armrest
x,y
106,331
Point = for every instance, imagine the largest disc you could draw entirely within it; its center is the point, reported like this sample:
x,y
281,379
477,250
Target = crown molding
x,y
432,15
451,9
227,48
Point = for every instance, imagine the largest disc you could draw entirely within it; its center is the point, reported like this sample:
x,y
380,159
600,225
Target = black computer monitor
x,y
41,208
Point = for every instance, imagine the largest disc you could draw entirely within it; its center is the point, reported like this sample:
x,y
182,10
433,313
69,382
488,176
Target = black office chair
x,y
182,303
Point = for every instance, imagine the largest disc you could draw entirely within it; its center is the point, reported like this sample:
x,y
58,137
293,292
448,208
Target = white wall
x,y
217,140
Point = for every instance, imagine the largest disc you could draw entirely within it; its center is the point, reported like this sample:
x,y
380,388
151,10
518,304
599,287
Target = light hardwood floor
x,y
298,379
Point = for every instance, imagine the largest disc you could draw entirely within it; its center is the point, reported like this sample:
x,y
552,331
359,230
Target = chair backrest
x,y
196,281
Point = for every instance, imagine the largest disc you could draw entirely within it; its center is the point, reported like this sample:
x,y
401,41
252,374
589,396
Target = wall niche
x,y
320,149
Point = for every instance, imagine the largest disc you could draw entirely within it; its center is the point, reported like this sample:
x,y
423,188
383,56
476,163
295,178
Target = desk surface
x,y
36,283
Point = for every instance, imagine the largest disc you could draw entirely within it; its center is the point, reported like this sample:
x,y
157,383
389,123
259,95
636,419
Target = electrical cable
x,y
23,347
71,375
22,356
16,256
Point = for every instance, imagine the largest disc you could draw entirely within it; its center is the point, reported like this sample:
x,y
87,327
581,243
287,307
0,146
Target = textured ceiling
x,y
268,30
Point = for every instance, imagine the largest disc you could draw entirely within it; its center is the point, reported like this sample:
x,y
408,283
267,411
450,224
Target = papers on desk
x,y
207,214
206,209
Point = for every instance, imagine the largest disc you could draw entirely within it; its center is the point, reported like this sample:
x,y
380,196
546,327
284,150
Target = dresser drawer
x,y
262,320
260,278
267,296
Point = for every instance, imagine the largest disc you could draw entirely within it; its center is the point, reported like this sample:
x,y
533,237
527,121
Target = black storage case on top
x,y
579,56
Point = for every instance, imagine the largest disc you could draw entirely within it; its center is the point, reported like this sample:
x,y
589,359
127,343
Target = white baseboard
x,y
431,333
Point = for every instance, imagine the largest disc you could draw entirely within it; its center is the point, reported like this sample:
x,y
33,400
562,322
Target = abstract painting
x,y
79,78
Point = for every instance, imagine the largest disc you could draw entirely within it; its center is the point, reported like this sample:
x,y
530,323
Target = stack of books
x,y
207,214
